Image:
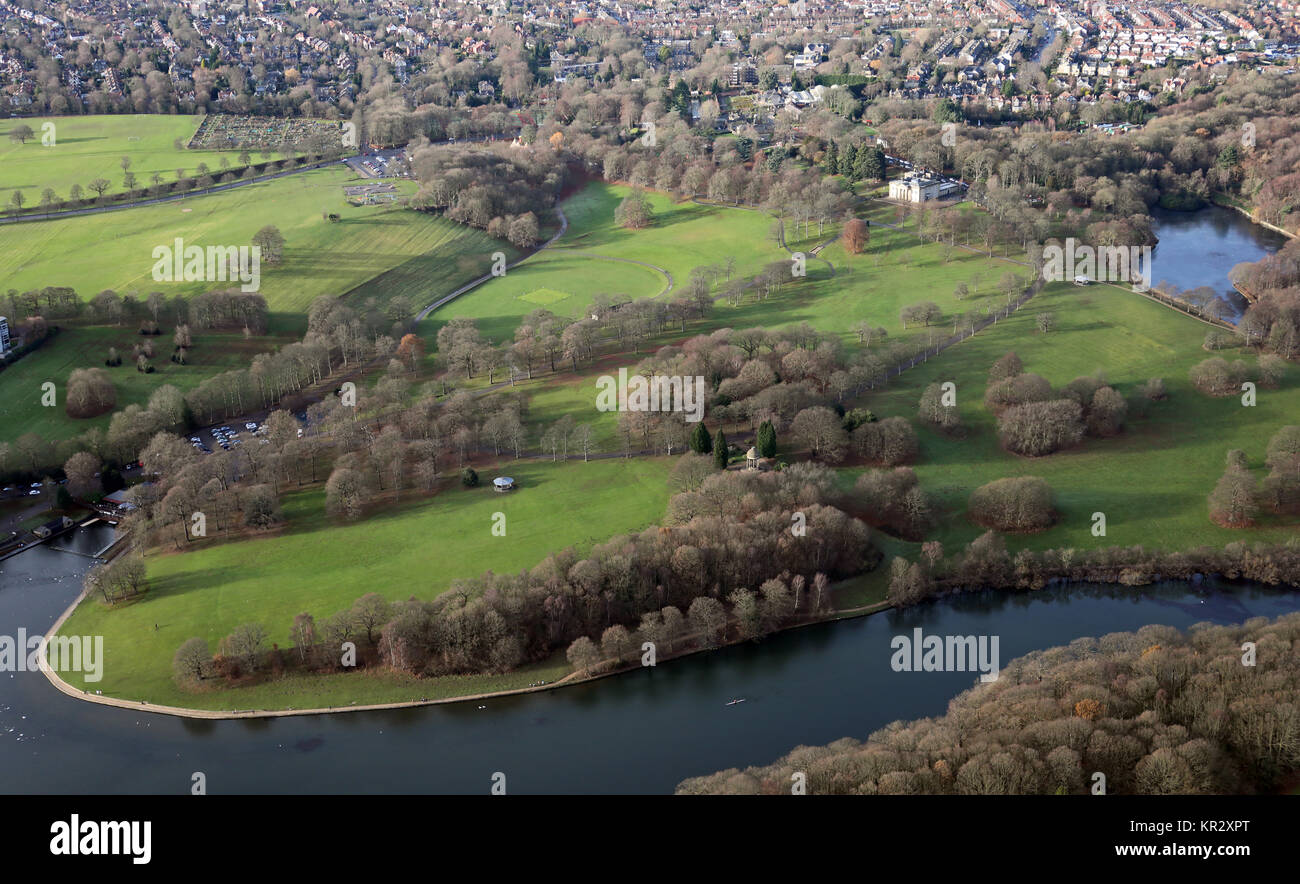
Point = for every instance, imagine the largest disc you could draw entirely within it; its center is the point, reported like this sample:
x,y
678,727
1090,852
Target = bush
x,y
1284,446
1017,390
1039,428
1218,377
1233,502
1007,367
1020,503
889,442
893,499
1272,369
90,392
1082,389
1106,413
468,477
933,412
857,417
1154,389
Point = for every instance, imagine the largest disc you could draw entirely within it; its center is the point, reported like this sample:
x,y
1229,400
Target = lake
x,y
1199,248
638,733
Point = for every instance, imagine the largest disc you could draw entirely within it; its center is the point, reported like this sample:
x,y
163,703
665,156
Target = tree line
x,y
1157,712
705,566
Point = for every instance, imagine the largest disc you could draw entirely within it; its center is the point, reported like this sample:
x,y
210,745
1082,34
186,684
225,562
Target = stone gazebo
x,y
503,483
752,459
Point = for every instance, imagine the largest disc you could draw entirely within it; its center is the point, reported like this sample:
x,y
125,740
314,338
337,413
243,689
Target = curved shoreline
x,y
213,714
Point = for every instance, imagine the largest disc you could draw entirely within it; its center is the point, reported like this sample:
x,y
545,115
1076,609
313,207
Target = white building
x,y
916,187
4,335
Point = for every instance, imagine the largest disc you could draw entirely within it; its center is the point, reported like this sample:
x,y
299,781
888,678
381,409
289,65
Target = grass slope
x,y
414,549
90,147
1152,481
115,250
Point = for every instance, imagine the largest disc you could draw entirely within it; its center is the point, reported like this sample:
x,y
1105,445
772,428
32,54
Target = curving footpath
x,y
184,712
564,226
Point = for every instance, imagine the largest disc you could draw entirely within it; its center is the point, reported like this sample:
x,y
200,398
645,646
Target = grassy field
x,y
895,270
565,277
115,250
21,410
1151,481
90,147
559,281
414,549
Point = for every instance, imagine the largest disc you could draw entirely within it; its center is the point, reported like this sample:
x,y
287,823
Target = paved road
x,y
470,286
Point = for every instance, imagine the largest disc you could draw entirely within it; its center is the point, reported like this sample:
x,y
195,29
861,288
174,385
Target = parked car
x,y
33,493
250,426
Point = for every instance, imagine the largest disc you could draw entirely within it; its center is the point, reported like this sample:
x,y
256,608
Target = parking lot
x,y
232,435
385,164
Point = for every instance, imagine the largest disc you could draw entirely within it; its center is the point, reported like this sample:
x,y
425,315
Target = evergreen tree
x,y
701,442
720,450
766,439
831,161
848,162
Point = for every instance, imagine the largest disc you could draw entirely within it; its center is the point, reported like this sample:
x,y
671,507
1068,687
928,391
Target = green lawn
x,y
894,271
560,281
1151,481
21,410
115,250
90,147
414,549
684,234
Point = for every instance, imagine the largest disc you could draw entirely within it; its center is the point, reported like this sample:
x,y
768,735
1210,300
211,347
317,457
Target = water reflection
x,y
1200,248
